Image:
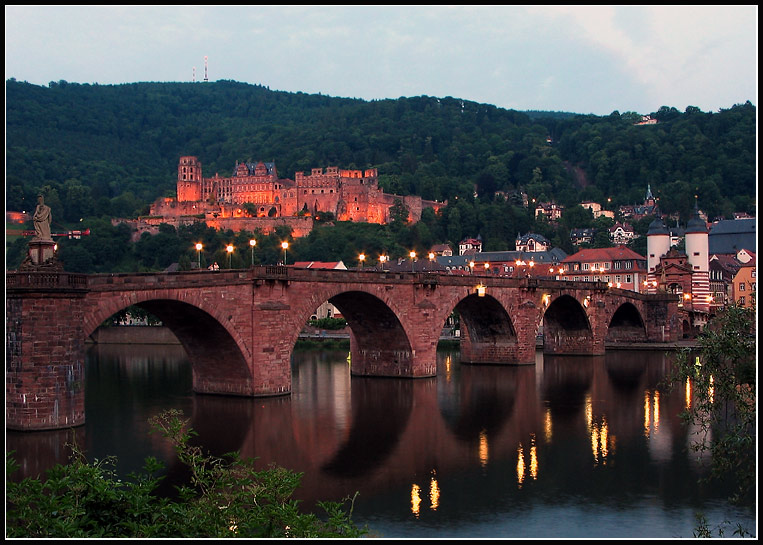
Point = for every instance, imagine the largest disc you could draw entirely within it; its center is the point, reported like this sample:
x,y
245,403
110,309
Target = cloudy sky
x,y
594,59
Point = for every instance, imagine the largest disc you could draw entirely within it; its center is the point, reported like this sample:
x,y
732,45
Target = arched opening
x,y
626,325
566,329
378,343
273,212
487,334
217,364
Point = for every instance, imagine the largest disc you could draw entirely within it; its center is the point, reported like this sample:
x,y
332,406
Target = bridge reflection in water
x,y
471,441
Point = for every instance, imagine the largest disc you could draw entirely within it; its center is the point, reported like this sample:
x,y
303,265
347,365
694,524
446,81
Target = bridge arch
x,y
626,325
380,344
219,357
566,327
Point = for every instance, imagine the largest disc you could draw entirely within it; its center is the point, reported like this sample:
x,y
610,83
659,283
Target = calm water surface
x,y
570,447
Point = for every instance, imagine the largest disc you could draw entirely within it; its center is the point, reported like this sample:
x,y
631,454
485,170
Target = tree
x,y
399,214
723,408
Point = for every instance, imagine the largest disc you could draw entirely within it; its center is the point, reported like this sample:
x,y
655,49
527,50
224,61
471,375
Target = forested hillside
x,y
110,150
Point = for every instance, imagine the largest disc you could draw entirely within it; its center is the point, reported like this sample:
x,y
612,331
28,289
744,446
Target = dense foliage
x,y
225,498
103,151
723,379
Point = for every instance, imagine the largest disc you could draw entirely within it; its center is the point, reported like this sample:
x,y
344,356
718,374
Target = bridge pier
x,y
45,352
502,351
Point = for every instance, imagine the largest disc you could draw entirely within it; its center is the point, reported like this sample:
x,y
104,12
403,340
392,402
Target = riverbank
x,y
313,338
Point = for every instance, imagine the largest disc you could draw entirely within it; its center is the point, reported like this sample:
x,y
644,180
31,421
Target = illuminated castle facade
x,y
255,190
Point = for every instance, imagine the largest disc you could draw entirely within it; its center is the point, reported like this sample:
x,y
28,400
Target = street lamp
x,y
252,243
382,259
229,249
198,254
413,256
471,267
285,246
361,258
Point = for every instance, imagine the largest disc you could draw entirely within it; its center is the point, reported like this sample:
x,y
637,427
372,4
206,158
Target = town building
x,y
470,245
744,285
532,242
441,249
582,236
538,264
619,267
730,236
686,274
254,196
326,309
597,210
637,211
722,268
621,233
551,210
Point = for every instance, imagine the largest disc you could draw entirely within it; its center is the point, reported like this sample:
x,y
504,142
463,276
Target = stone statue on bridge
x,y
42,219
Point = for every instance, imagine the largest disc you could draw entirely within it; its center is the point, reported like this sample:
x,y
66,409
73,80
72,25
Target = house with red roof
x,y
619,267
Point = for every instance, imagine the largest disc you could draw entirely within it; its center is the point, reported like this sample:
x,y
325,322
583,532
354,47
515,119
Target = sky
x,y
582,59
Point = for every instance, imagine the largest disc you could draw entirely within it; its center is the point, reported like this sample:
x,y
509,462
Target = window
x,y
628,278
741,286
741,300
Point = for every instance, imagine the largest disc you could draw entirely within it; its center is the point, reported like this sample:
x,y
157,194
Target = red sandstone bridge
x,y
239,327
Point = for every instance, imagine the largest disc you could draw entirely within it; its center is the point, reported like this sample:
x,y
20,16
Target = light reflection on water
x,y
571,447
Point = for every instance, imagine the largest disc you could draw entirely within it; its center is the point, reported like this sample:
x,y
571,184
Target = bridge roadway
x,y
239,326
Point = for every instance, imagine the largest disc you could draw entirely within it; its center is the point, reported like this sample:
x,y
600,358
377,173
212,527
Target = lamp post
x,y
198,254
413,256
229,249
252,243
285,246
361,259
487,267
471,267
382,259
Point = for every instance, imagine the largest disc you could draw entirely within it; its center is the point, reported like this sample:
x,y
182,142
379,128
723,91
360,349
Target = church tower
x,y
189,179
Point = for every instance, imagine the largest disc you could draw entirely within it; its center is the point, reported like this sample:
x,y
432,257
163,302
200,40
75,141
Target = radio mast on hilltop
x,y
205,69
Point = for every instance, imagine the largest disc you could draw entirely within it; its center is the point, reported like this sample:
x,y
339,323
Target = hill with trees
x,y
103,151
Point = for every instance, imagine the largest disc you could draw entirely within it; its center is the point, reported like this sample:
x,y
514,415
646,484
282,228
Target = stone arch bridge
x,y
239,326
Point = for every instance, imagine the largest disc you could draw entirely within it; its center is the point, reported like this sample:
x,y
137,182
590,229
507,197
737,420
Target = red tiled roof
x,y
602,254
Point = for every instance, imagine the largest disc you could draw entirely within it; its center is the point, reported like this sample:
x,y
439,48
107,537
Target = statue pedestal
x,y
42,255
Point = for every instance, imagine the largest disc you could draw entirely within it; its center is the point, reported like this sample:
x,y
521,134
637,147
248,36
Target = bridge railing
x,y
45,280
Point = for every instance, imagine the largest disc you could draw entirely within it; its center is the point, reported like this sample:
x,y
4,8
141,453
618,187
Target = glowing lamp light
x,y
586,302
229,248
546,299
198,246
687,296
481,290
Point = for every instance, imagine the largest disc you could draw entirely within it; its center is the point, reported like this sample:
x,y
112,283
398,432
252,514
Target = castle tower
x,y
189,179
657,245
697,253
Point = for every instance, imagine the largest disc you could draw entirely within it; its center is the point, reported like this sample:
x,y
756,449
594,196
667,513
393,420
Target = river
x,y
571,447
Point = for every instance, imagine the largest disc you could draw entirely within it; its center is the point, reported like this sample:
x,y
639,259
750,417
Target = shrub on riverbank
x,y
226,497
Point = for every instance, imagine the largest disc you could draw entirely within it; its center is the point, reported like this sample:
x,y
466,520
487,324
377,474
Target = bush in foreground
x,y
225,498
